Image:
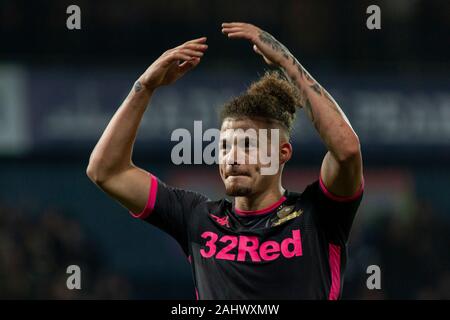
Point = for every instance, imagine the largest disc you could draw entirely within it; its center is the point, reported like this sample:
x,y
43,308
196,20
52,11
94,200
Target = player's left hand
x,y
264,44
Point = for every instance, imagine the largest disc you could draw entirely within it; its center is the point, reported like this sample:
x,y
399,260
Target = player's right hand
x,y
173,64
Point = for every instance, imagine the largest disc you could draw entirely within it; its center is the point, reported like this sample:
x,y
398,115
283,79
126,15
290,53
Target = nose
x,y
231,156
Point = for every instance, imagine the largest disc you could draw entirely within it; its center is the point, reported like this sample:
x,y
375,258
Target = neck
x,y
260,200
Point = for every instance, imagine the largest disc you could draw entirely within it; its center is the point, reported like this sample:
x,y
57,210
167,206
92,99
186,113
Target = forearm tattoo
x,y
316,87
274,43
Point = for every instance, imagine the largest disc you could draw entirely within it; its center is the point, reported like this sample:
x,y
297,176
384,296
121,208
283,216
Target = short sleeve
x,y
335,214
169,209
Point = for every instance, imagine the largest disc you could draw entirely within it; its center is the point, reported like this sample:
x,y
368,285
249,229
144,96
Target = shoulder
x,y
308,193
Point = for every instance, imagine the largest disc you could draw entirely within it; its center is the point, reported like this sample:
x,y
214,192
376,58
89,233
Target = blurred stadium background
x,y
59,88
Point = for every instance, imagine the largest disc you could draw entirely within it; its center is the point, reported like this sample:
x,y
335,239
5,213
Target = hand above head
x,y
264,44
173,64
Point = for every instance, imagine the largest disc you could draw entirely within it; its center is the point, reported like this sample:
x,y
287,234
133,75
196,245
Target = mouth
x,y
237,175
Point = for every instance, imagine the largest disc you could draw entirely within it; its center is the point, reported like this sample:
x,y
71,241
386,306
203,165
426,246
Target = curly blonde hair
x,y
271,98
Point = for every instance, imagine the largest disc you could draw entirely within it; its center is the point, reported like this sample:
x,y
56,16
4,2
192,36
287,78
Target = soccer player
x,y
268,243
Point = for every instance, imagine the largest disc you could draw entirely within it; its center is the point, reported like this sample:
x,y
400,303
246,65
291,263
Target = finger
x,y
233,24
270,63
231,30
187,65
191,53
178,56
195,46
198,40
239,35
255,48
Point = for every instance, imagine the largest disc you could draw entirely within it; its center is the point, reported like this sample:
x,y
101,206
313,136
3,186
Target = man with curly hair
x,y
268,243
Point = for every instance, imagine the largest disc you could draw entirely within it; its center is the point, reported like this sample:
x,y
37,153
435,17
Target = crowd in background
x,y
412,253
412,31
35,251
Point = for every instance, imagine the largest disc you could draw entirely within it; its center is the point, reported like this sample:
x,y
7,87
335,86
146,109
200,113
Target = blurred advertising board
x,y
68,108
14,134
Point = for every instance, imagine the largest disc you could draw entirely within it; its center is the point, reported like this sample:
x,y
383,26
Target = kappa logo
x,y
222,221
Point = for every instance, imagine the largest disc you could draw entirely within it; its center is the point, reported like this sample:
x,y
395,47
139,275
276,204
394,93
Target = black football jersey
x,y
293,249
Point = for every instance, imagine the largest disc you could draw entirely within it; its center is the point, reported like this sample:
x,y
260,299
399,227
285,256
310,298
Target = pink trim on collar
x,y
260,211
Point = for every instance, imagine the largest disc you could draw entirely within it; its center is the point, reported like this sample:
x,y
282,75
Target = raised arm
x,y
110,164
341,170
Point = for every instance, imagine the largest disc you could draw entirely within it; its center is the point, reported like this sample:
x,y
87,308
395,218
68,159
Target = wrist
x,y
141,86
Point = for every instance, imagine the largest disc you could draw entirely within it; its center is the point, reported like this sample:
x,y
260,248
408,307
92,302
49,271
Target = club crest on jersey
x,y
222,221
284,211
285,214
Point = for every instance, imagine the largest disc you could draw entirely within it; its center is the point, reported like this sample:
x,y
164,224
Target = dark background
x,y
59,88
